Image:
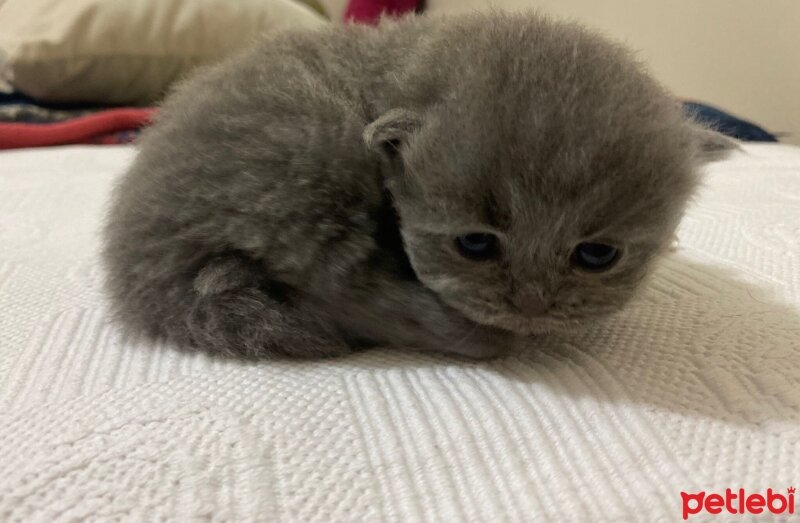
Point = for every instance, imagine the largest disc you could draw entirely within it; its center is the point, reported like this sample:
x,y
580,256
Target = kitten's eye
x,y
477,246
594,257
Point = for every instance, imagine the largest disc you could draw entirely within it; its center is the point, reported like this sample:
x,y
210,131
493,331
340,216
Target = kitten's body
x,y
260,215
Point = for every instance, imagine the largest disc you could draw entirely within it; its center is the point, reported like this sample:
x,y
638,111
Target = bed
x,y
695,387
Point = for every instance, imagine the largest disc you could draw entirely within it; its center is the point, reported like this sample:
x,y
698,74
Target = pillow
x,y
333,8
315,4
128,51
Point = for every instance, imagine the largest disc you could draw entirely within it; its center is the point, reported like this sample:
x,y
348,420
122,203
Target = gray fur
x,y
259,216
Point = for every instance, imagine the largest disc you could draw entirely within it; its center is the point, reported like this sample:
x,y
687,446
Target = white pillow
x,y
128,51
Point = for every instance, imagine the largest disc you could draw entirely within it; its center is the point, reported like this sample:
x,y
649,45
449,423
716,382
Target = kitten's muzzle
x,y
531,305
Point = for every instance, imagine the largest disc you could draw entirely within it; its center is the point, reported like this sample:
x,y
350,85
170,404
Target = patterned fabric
x,y
696,386
16,107
36,114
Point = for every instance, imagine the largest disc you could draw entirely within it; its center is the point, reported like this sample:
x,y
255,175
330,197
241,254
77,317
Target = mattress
x,y
694,388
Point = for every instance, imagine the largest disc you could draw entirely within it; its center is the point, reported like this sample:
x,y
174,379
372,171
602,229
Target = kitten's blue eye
x,y
594,257
477,246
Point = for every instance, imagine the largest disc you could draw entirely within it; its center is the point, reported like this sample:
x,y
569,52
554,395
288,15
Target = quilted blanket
x,y
692,390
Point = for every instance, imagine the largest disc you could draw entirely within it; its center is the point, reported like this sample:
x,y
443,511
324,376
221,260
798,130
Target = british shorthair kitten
x,y
440,184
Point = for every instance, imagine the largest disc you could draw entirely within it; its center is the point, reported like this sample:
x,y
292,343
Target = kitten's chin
x,y
519,324
528,326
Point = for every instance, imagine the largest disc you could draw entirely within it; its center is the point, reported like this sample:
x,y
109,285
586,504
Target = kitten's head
x,y
539,189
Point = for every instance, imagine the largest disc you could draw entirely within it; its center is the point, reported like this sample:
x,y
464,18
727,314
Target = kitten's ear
x,y
390,131
711,145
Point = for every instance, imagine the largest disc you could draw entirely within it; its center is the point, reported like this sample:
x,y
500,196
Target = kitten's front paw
x,y
482,343
223,274
675,244
246,322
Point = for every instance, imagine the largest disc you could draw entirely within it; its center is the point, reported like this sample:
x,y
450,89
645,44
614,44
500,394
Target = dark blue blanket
x,y
727,124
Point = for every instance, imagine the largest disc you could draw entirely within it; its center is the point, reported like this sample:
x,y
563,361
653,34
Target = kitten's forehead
x,y
576,147
619,186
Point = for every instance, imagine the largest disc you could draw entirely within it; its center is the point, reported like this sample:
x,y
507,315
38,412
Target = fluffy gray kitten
x,y
443,184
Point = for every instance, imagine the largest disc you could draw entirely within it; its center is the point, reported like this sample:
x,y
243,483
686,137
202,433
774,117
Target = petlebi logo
x,y
738,502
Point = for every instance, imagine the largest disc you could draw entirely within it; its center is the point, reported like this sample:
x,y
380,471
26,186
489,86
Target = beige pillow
x,y
334,8
128,51
315,4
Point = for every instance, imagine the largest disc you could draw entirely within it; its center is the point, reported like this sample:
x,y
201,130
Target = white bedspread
x,y
695,387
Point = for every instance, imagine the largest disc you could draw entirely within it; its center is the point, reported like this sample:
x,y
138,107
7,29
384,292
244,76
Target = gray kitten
x,y
444,184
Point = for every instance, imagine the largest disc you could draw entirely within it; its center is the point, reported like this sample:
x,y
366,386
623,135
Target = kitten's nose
x,y
531,305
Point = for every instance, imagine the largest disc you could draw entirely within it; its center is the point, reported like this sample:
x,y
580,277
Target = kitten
x,y
443,184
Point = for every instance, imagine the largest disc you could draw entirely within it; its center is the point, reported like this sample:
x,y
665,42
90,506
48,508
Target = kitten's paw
x,y
224,273
482,343
675,244
246,322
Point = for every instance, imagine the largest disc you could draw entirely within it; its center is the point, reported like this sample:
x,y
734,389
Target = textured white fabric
x,y
696,386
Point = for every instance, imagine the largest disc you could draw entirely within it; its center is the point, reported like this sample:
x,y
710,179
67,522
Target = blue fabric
x,y
17,98
727,124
